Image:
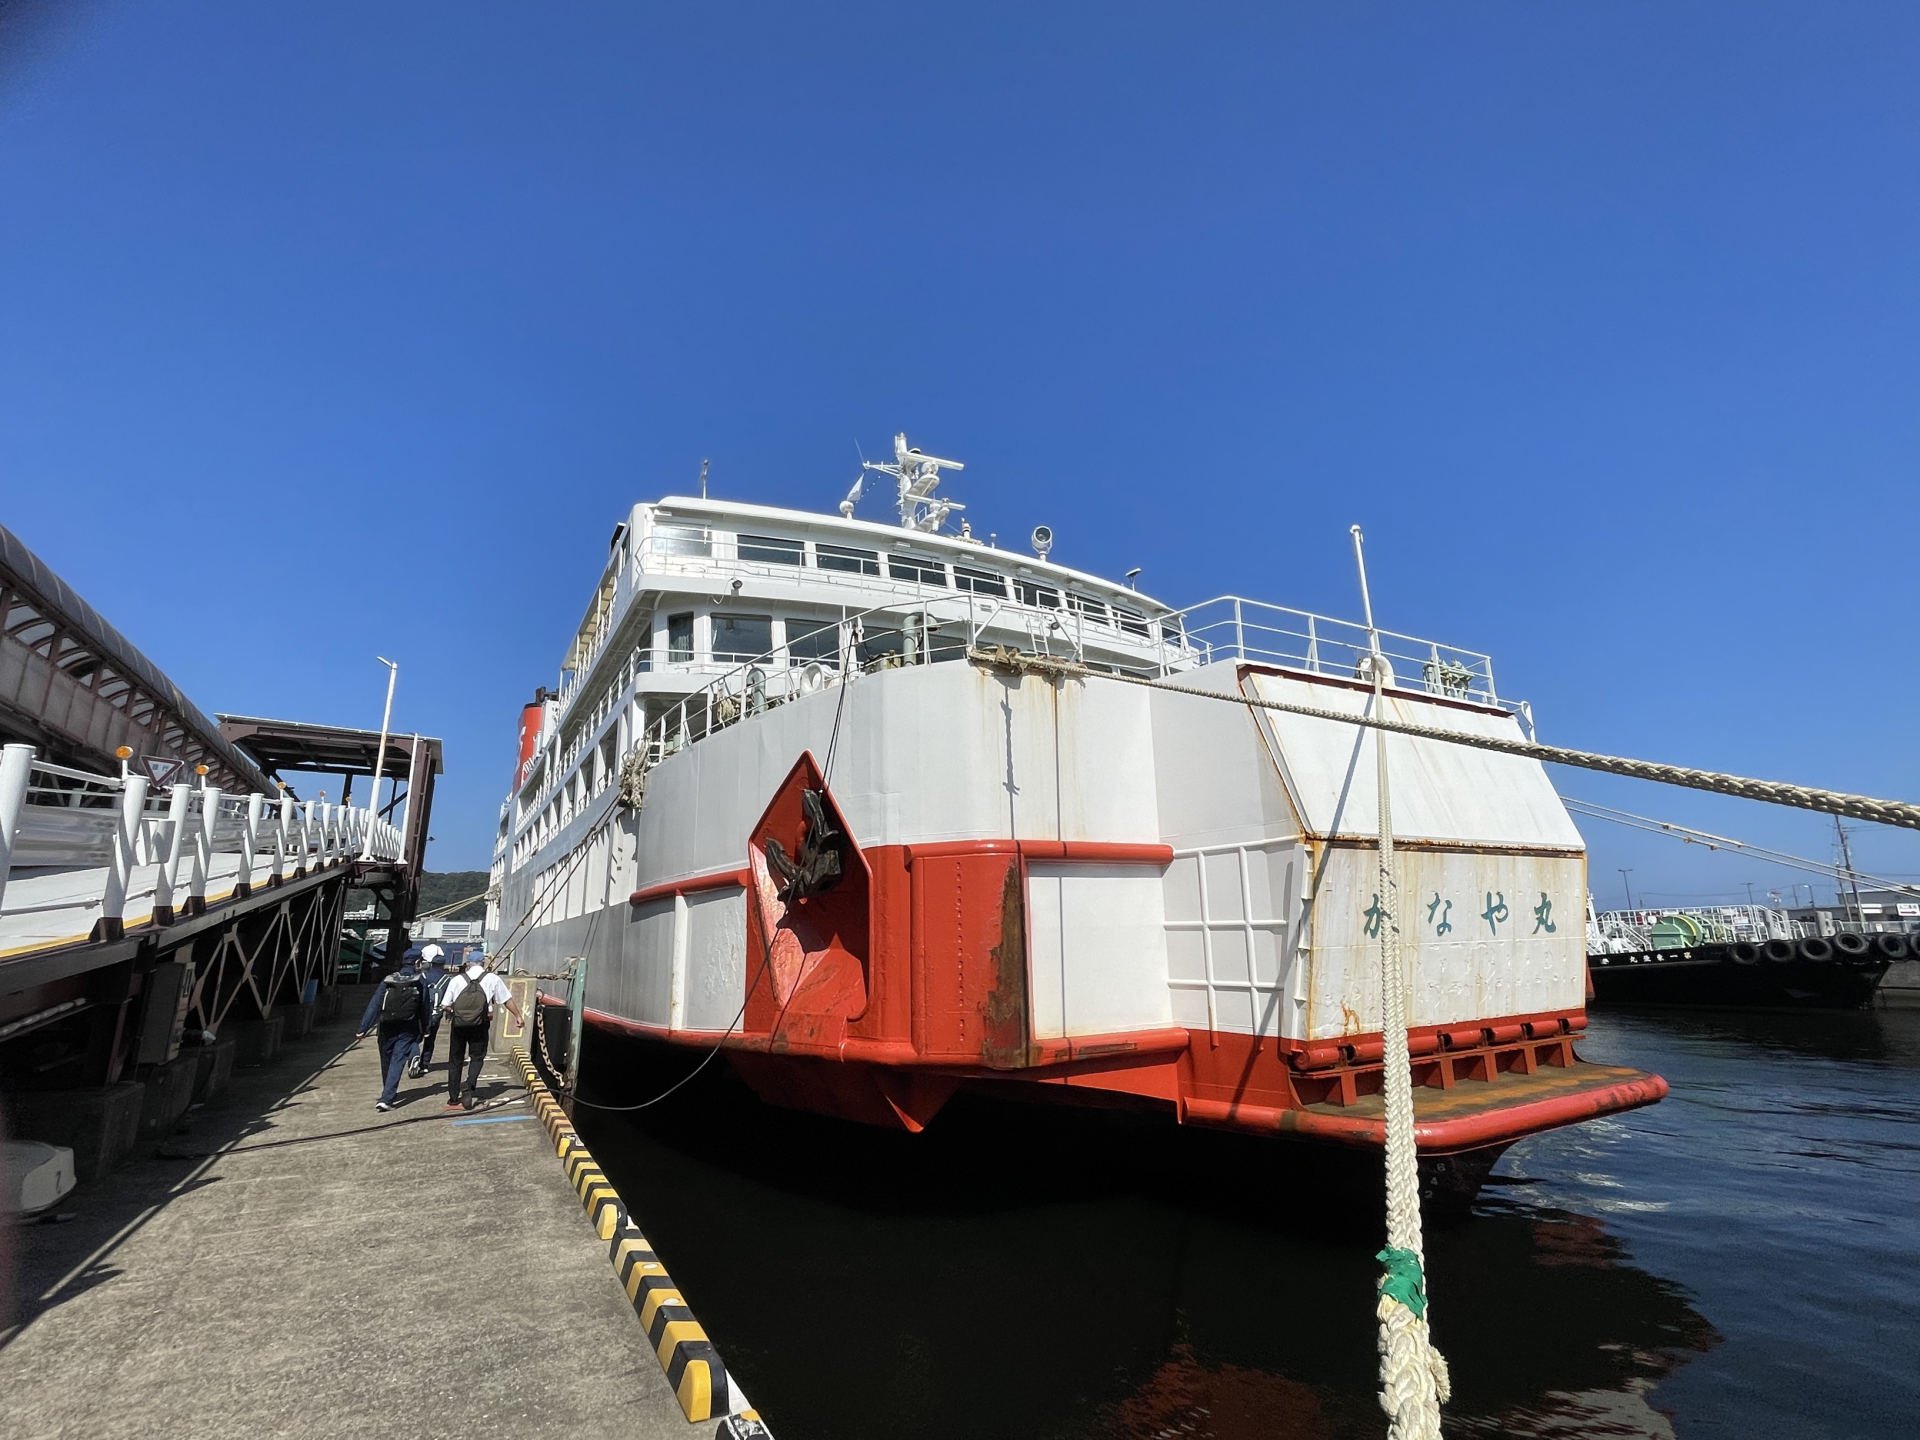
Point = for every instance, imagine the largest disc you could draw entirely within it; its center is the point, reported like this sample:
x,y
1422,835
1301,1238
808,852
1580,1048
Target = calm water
x,y
1742,1260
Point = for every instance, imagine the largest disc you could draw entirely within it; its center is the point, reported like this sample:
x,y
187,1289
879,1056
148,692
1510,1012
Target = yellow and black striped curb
x,y
700,1382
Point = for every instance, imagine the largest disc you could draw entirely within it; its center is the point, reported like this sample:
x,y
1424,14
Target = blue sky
x,y
335,330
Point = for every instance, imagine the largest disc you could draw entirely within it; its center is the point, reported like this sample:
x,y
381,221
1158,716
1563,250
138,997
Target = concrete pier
x,y
266,1275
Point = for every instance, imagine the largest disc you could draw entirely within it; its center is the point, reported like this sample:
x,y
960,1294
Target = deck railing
x,y
1231,628
940,626
56,819
1622,932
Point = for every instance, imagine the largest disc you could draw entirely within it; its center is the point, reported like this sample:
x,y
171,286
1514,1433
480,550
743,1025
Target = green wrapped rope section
x,y
1404,1280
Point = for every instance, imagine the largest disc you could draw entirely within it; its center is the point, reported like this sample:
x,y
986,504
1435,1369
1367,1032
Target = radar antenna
x,y
917,475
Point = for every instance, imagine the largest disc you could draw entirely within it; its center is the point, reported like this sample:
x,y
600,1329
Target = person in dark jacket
x,y
438,970
399,1009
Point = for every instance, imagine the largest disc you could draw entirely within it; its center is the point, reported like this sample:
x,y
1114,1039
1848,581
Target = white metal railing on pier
x,y
58,820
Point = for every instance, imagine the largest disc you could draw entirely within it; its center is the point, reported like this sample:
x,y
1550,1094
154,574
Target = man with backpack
x,y
439,971
468,1003
399,1006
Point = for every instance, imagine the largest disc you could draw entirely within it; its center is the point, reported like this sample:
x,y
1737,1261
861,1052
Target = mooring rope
x,y
1771,792
1413,1374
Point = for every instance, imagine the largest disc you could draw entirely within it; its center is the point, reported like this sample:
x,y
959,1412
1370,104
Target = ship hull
x,y
1086,892
1710,975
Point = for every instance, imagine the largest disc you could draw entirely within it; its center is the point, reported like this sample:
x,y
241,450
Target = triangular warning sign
x,y
163,772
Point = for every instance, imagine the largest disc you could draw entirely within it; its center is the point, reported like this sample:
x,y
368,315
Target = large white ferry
x,y
884,810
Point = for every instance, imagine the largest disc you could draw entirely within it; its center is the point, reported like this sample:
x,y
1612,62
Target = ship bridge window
x,y
1043,596
1132,621
742,637
680,637
980,582
1087,606
847,558
916,567
814,640
771,550
681,540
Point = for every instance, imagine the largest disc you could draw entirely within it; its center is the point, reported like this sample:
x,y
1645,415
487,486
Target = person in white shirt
x,y
468,1003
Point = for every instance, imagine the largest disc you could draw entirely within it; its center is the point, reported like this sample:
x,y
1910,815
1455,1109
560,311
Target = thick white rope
x,y
1413,1376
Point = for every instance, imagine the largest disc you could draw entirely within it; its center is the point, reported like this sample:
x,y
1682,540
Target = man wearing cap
x,y
468,1003
438,970
398,1008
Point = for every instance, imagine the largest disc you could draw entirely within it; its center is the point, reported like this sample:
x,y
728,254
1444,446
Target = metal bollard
x,y
113,900
173,840
203,845
249,838
16,769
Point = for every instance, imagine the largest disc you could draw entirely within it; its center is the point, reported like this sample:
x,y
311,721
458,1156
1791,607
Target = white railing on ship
x,y
717,555
1225,629
53,818
1231,628
942,628
1622,932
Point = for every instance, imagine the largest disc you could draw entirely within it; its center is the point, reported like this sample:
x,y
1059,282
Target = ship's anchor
x,y
817,866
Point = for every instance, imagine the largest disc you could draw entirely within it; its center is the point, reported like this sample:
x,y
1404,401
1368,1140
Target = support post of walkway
x,y
16,769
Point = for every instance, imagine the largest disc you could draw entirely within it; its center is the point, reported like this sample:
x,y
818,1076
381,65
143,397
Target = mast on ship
x,y
917,476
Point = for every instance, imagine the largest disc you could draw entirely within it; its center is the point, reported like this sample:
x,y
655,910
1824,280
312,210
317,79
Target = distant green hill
x,y
440,889
450,885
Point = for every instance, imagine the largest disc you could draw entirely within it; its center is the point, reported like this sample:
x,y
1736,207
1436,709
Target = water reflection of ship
x,y
1599,1335
1889,1037
1157,1290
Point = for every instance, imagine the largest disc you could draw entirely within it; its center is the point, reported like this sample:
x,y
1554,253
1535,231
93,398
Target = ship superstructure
x,y
884,811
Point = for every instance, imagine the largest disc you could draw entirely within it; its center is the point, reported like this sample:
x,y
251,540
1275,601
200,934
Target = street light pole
x,y
1628,887
379,757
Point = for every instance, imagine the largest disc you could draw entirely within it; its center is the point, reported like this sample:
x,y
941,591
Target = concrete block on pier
x,y
1900,989
299,1019
168,1091
258,1041
99,1126
214,1068
352,999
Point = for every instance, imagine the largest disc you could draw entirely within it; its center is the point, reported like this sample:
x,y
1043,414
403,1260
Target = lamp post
x,y
379,757
1627,886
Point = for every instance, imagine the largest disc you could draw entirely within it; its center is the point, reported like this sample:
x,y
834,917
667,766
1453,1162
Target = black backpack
x,y
400,1002
470,1007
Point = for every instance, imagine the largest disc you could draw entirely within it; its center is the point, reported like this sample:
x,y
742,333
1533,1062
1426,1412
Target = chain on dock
x,y
1771,792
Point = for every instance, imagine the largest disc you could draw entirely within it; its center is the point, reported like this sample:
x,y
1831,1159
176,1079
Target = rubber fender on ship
x,y
1778,950
1892,947
1745,952
1814,948
1849,946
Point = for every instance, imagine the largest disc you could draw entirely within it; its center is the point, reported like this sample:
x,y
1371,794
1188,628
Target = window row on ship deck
x,y
688,650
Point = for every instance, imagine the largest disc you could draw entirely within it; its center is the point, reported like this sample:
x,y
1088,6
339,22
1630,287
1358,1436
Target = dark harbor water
x,y
1742,1260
